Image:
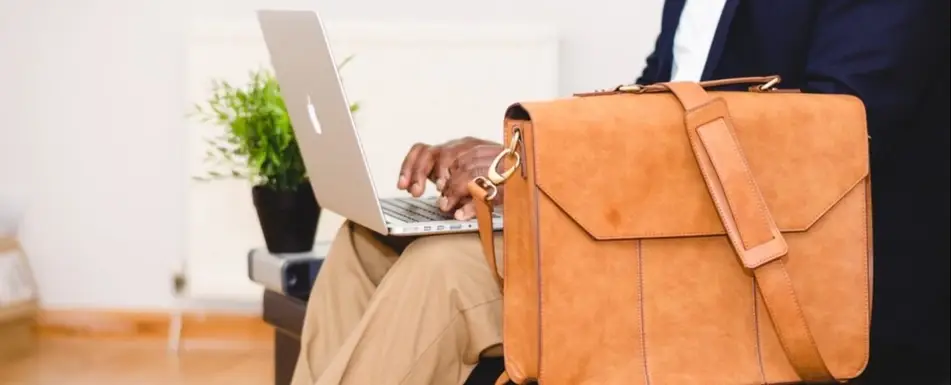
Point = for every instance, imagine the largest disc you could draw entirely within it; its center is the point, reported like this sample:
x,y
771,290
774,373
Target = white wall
x,y
92,95
91,132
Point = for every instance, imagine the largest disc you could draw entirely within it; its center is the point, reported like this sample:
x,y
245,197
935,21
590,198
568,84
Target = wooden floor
x,y
110,362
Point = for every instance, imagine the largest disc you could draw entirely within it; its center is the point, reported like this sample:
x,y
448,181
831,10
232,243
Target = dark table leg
x,y
286,350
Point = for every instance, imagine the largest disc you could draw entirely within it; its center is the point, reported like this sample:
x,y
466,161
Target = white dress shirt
x,y
695,32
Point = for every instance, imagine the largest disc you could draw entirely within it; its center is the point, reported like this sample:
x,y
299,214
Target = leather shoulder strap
x,y
484,218
748,223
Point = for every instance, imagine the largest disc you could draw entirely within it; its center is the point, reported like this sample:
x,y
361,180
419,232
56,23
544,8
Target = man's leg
x,y
354,266
435,312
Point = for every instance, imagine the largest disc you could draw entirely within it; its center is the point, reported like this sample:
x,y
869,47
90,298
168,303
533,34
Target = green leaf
x,y
344,62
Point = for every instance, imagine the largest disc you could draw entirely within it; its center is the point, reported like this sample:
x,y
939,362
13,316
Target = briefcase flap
x,y
621,165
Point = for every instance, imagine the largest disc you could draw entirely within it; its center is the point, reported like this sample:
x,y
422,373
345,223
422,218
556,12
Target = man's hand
x,y
473,163
426,162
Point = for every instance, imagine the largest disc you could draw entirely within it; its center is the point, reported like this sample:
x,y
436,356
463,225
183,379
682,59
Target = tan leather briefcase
x,y
666,235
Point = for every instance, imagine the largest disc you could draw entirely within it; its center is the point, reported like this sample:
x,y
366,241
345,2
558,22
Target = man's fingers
x,y
467,211
441,172
421,170
406,169
458,185
467,166
449,154
456,190
449,166
448,203
451,194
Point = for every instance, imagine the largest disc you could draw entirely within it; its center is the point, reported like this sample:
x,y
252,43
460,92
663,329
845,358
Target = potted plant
x,y
257,143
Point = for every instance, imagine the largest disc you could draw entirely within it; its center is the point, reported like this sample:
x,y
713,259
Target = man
x,y
391,311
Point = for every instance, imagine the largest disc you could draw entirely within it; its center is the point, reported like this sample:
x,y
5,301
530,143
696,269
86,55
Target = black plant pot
x,y
288,218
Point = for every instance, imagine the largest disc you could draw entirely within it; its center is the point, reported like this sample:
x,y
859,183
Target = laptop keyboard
x,y
413,210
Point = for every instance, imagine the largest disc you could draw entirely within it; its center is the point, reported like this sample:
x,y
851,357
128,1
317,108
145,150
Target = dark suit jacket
x,y
893,54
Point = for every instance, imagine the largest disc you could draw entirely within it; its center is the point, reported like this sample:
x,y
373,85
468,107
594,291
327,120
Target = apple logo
x,y
312,113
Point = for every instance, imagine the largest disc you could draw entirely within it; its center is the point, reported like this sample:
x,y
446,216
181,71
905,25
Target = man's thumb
x,y
466,212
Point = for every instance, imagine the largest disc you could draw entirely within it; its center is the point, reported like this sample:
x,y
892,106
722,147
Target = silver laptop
x,y
336,164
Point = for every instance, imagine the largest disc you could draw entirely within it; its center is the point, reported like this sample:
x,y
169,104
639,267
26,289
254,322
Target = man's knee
x,y
450,255
344,232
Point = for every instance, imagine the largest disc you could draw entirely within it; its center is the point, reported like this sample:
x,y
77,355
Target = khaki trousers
x,y
383,314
